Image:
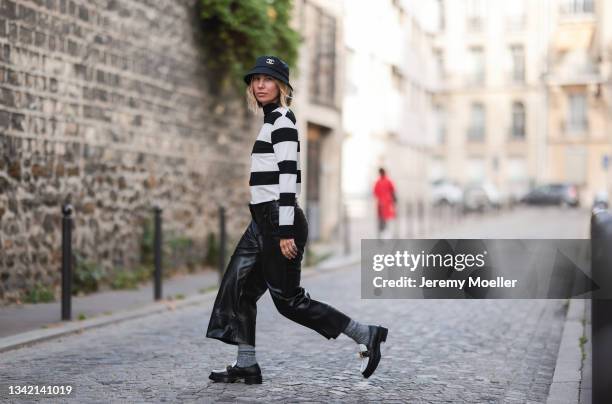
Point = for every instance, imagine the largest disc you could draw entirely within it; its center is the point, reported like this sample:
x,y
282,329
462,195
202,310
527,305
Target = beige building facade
x,y
603,41
490,101
523,99
578,101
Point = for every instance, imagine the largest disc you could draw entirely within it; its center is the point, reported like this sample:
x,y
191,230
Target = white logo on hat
x,y
270,61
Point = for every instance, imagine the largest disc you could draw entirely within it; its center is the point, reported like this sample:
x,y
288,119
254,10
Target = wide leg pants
x,y
257,265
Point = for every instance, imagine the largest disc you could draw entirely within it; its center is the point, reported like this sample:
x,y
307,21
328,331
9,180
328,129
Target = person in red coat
x,y
384,191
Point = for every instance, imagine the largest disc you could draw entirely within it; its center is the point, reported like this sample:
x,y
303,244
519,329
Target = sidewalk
x,y
16,319
572,380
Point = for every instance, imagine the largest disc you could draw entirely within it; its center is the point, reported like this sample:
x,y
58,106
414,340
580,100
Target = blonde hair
x,y
284,100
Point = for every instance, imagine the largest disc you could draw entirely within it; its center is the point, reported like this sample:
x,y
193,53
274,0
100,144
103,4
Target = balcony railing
x,y
516,133
574,128
577,7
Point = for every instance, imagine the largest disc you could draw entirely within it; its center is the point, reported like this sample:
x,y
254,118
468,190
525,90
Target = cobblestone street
x,y
444,350
436,351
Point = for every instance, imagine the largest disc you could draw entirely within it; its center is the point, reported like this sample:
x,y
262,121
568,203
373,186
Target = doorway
x,y
315,136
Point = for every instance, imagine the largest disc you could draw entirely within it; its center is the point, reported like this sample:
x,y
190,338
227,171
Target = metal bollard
x,y
157,248
347,231
446,215
421,218
459,212
601,319
67,210
222,237
408,222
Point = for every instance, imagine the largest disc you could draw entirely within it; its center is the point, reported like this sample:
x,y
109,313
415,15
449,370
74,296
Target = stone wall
x,y
106,104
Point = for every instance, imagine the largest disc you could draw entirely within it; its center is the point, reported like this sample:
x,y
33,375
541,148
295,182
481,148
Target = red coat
x,y
385,194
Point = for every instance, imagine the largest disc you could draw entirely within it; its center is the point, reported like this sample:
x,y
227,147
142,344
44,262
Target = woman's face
x,y
264,88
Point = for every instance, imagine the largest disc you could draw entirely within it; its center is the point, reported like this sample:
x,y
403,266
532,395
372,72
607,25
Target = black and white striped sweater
x,y
275,165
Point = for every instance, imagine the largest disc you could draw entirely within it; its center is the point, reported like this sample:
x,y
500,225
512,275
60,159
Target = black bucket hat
x,y
272,66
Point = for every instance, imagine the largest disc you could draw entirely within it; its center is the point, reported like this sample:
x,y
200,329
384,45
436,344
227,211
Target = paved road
x,y
523,222
436,351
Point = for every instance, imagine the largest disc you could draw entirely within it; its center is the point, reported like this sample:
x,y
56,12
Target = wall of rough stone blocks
x,y
106,104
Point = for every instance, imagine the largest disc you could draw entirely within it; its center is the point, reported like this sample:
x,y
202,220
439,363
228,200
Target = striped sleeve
x,y
284,139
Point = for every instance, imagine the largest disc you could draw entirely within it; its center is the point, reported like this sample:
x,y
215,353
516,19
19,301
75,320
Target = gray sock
x,y
357,331
246,356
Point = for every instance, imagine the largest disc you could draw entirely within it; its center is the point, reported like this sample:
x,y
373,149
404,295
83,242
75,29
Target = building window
x,y
475,14
322,83
516,168
477,66
476,131
440,115
441,16
397,78
476,169
517,176
518,120
439,60
577,121
414,95
577,6
352,73
518,63
438,169
416,36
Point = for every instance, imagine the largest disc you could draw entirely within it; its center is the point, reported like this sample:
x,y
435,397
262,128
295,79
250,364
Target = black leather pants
x,y
258,265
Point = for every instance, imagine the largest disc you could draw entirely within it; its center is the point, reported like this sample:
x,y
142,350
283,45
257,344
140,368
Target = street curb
x,y
65,328
565,386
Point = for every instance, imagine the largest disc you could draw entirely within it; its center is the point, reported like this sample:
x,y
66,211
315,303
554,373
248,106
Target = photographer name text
x,y
408,282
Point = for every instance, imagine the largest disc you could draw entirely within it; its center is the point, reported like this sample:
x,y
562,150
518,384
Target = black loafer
x,y
378,335
232,373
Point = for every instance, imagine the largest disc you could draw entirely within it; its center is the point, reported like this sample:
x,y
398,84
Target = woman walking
x,y
269,253
384,191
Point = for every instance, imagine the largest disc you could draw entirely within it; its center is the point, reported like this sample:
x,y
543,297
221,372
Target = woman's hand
x,y
288,248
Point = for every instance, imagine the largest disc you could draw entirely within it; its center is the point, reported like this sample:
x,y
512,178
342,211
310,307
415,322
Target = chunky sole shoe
x,y
233,374
234,379
371,352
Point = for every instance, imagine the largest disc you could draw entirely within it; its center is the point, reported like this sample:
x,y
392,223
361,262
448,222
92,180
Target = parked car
x,y
563,194
481,197
600,200
445,192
